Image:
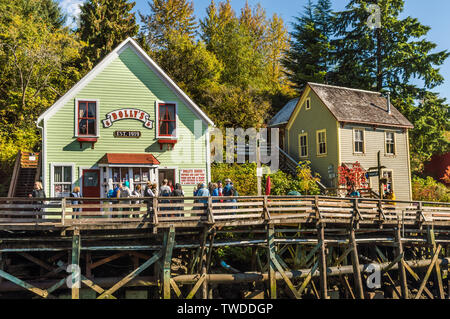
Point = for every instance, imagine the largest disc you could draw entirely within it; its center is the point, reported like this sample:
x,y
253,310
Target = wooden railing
x,y
98,213
15,175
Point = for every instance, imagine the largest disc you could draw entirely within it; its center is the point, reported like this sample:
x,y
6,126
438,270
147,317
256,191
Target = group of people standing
x,y
216,190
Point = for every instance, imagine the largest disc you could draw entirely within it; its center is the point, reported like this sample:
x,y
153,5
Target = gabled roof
x,y
359,106
128,43
283,116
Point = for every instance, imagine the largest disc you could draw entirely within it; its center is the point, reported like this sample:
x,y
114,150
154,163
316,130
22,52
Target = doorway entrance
x,y
91,183
168,174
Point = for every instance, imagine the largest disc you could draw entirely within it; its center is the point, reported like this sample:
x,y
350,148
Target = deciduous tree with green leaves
x,y
38,63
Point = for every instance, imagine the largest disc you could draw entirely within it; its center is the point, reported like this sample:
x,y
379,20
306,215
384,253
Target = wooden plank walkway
x,y
197,212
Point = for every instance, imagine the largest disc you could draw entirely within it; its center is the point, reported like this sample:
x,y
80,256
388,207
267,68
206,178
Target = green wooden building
x,y
126,120
333,126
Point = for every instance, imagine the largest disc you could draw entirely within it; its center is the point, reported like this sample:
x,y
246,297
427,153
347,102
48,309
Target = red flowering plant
x,y
354,176
446,177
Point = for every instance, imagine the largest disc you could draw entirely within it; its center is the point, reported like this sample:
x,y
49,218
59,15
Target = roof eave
x,y
104,62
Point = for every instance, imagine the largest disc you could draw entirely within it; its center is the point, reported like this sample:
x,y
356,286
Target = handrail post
x,y
420,216
155,210
63,211
316,208
266,214
209,211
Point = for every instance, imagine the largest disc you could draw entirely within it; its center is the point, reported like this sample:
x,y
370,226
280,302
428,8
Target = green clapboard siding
x,y
127,82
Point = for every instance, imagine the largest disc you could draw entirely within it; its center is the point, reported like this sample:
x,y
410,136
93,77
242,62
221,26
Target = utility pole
x,y
378,169
258,166
380,187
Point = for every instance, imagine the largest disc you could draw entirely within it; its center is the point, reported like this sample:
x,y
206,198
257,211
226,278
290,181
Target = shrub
x,y
244,179
243,176
428,189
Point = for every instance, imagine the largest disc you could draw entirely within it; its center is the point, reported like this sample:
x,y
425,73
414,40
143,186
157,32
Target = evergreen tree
x,y
310,49
167,17
104,24
386,57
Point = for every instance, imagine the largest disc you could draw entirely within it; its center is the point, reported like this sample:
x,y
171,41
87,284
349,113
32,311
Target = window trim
x,y
392,174
52,178
300,146
308,102
97,114
363,140
318,154
385,143
170,137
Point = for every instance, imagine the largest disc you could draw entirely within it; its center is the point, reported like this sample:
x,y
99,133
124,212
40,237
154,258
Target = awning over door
x,y
128,159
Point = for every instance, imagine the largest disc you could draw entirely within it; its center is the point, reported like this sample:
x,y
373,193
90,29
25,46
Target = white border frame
x,y
97,110
52,169
173,137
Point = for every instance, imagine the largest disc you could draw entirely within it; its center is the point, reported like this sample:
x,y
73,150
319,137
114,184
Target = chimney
x,y
388,102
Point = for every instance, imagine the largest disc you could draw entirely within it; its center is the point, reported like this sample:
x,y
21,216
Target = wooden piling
x,y
356,268
170,242
76,243
272,283
401,267
323,262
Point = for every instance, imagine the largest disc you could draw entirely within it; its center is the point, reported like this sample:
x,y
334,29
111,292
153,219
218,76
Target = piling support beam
x,y
401,266
356,267
170,242
76,243
271,256
440,285
322,263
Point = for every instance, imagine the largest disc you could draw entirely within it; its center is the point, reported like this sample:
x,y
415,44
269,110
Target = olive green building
x,y
332,126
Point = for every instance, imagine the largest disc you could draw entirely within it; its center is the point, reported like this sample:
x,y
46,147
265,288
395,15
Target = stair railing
x,y
15,175
292,166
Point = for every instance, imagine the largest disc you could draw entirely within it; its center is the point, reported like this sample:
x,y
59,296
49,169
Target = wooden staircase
x,y
27,170
289,165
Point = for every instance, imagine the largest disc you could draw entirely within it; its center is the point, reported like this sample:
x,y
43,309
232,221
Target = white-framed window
x,y
358,141
87,118
388,174
390,143
308,104
61,179
321,142
303,144
166,119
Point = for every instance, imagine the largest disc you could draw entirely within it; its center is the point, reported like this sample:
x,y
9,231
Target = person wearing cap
x,y
203,191
125,193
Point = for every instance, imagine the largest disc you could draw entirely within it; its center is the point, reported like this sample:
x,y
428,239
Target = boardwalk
x,y
294,242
